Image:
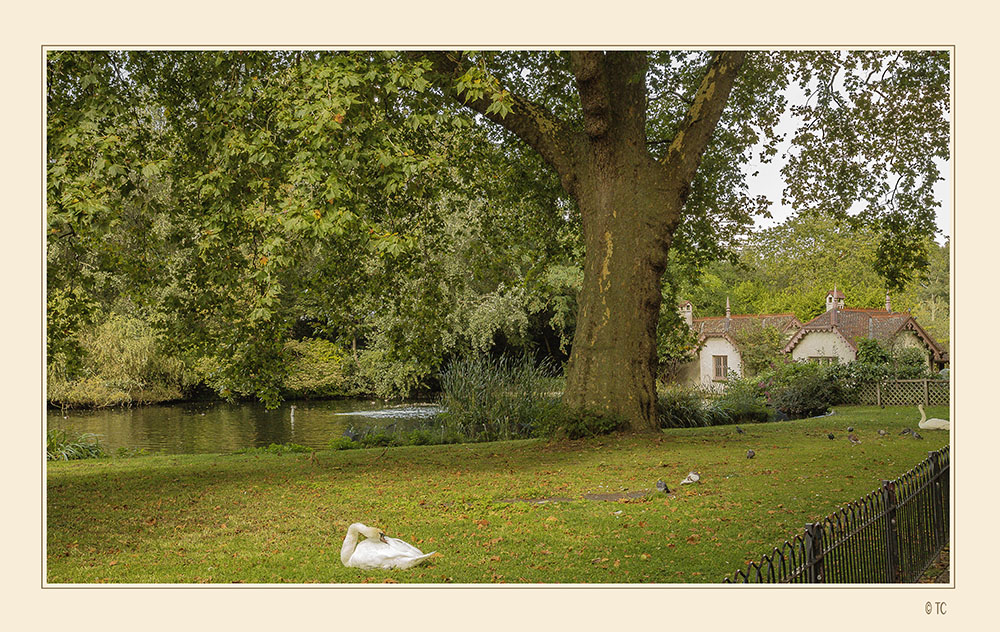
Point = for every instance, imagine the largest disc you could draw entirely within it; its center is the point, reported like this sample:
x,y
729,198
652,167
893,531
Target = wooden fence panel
x,y
906,393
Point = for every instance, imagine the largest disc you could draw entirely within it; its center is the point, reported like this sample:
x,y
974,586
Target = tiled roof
x,y
853,324
723,326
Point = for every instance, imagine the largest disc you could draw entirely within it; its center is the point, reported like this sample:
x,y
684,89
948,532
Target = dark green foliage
x,y
801,389
566,423
760,347
487,399
60,445
871,351
679,407
744,401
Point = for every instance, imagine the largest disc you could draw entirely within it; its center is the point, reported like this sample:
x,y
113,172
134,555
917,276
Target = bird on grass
x,y
916,435
933,423
692,477
853,438
850,429
882,433
377,550
740,430
906,431
829,435
661,486
751,454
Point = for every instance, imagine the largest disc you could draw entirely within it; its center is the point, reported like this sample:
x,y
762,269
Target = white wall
x,y
713,347
823,343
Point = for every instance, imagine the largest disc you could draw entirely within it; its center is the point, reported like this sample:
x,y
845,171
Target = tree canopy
x,y
425,201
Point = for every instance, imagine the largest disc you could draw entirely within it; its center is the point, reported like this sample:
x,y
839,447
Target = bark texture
x,y
631,205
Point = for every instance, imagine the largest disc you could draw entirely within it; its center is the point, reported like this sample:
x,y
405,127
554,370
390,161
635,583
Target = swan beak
x,y
381,536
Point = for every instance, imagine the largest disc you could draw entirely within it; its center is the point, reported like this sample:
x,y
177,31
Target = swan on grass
x,y
377,550
933,423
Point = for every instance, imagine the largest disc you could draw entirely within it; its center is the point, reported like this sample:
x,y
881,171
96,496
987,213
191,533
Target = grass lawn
x,y
282,518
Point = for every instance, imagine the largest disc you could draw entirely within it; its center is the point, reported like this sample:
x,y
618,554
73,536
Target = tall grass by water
x,y
60,445
493,399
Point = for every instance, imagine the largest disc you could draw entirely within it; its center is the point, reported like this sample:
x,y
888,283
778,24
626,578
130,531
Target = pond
x,y
215,427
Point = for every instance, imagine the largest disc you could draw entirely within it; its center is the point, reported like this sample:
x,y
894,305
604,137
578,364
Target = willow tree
x,y
651,149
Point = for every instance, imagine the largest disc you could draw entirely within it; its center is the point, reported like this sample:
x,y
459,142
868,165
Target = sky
x,y
769,183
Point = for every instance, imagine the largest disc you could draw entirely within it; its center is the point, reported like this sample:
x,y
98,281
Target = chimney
x,y
888,305
727,307
834,299
687,313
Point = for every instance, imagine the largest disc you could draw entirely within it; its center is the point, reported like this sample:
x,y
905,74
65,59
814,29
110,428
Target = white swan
x,y
931,424
378,551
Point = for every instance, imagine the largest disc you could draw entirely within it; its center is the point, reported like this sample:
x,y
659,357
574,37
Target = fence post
x,y
936,501
927,401
878,394
893,575
813,542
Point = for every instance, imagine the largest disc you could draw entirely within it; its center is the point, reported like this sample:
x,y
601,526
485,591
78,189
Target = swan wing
x,y
393,553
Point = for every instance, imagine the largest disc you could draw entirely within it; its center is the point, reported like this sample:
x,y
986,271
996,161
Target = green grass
x,y
274,518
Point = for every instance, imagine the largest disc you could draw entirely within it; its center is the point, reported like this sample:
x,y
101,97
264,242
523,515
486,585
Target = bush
x,y
486,399
567,423
315,369
744,401
122,363
801,389
681,407
61,446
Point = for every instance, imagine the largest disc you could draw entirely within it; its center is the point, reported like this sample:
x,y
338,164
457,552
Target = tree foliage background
x,y
234,201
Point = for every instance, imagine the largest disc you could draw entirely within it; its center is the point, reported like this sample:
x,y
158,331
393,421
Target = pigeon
x,y
829,435
916,435
660,485
850,429
740,430
853,439
906,431
882,433
751,454
692,477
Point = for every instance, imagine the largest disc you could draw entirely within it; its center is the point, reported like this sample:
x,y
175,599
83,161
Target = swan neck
x,y
350,543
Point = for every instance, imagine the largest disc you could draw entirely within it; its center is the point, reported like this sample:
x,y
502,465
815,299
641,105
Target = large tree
x,y
271,150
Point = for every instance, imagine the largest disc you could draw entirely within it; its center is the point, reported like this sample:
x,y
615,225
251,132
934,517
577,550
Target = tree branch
x,y
532,123
592,84
689,144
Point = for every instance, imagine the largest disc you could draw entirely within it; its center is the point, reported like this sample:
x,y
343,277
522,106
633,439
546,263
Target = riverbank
x,y
277,518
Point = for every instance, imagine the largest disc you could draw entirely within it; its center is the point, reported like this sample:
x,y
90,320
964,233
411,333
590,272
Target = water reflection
x,y
195,428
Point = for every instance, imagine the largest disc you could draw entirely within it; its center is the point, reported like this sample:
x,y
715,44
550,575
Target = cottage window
x,y
824,359
720,364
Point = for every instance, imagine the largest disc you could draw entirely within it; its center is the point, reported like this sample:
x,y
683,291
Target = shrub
x,y
562,422
681,407
801,389
61,446
486,399
122,362
744,401
315,369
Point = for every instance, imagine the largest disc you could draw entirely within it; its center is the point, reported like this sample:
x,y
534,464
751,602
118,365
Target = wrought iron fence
x,y
891,535
905,393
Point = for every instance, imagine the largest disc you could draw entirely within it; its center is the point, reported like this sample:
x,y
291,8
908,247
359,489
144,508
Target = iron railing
x,y
891,535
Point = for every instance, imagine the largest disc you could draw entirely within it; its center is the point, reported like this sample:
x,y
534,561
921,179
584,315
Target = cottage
x,y
832,337
719,355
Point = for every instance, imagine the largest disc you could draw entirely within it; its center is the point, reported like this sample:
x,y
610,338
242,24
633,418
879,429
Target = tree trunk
x,y
630,204
627,219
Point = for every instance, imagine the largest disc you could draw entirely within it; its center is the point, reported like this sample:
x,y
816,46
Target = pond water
x,y
214,427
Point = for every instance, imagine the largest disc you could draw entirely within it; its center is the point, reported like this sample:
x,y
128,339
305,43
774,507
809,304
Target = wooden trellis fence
x,y
906,393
